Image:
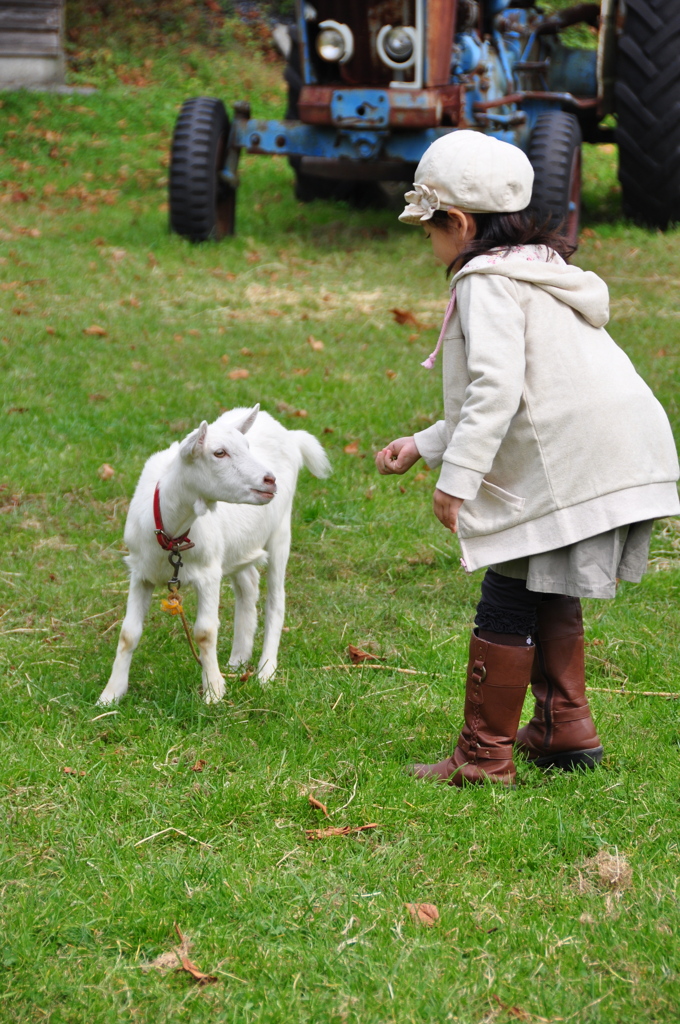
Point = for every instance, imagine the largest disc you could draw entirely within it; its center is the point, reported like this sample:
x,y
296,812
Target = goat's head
x,y
221,467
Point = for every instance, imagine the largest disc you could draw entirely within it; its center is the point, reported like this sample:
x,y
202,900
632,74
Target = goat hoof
x,y
211,698
238,664
107,701
213,694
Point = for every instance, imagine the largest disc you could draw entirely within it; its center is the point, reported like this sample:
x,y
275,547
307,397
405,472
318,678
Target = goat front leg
x,y
138,602
246,584
205,634
279,550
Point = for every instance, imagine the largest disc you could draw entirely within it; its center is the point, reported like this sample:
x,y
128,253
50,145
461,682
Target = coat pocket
x,y
498,492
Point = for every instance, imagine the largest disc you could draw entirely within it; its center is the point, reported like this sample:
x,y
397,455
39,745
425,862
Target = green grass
x,y
295,930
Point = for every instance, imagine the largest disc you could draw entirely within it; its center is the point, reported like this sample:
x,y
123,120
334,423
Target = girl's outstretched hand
x,y
398,456
446,509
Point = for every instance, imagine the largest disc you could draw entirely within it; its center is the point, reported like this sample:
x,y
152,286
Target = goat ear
x,y
194,444
249,420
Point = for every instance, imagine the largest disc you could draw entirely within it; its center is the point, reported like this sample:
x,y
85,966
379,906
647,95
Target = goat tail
x,y
313,455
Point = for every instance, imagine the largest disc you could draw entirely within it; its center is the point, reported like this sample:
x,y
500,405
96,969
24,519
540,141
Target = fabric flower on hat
x,y
422,202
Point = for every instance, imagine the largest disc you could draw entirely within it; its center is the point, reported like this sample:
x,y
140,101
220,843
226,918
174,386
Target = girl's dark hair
x,y
500,232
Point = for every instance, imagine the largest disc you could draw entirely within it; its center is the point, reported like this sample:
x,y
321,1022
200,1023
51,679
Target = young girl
x,y
555,455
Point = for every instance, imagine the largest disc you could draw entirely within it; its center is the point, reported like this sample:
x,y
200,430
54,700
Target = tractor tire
x,y
201,205
647,97
555,153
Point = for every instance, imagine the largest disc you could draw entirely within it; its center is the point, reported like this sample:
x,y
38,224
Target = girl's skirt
x,y
588,568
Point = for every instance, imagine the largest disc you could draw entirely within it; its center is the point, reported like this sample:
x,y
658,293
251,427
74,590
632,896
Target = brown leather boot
x,y
497,681
562,732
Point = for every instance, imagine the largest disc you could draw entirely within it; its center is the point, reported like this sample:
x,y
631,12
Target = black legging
x,y
506,606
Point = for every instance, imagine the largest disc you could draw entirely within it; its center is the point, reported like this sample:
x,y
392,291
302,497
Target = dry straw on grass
x,y
171,960
608,873
611,870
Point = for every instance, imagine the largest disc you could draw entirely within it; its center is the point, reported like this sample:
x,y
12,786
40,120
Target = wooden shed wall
x,y
31,40
31,28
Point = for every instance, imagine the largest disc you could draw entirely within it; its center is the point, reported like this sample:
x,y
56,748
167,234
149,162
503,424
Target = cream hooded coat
x,y
549,435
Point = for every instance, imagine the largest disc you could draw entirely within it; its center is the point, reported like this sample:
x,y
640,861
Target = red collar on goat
x,y
167,543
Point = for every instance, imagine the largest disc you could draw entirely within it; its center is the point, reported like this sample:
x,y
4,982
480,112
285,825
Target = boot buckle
x,y
478,672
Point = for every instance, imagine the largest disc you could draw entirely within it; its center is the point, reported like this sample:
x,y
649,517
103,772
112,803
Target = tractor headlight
x,y
335,42
398,45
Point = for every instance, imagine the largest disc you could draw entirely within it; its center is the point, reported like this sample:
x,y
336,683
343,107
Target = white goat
x,y
210,485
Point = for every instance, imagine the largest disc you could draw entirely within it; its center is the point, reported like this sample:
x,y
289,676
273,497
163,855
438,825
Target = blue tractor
x,y
372,83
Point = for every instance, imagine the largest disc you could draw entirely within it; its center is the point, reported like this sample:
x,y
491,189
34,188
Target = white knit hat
x,y
471,171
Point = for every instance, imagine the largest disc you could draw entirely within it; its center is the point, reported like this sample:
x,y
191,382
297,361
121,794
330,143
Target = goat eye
x,y
221,454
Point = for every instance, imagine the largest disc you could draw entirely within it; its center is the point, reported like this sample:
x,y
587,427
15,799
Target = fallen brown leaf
x,y
315,344
290,410
72,771
519,1014
199,766
186,964
336,830
106,472
351,449
405,316
199,976
423,913
390,374
178,959
357,655
238,374
317,803
96,329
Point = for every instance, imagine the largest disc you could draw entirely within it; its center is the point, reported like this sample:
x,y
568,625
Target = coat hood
x,y
583,290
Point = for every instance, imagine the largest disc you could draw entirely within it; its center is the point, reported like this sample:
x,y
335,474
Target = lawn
x,y
557,900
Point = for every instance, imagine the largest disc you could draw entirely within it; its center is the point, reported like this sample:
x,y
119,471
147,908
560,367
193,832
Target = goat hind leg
x,y
139,599
246,584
